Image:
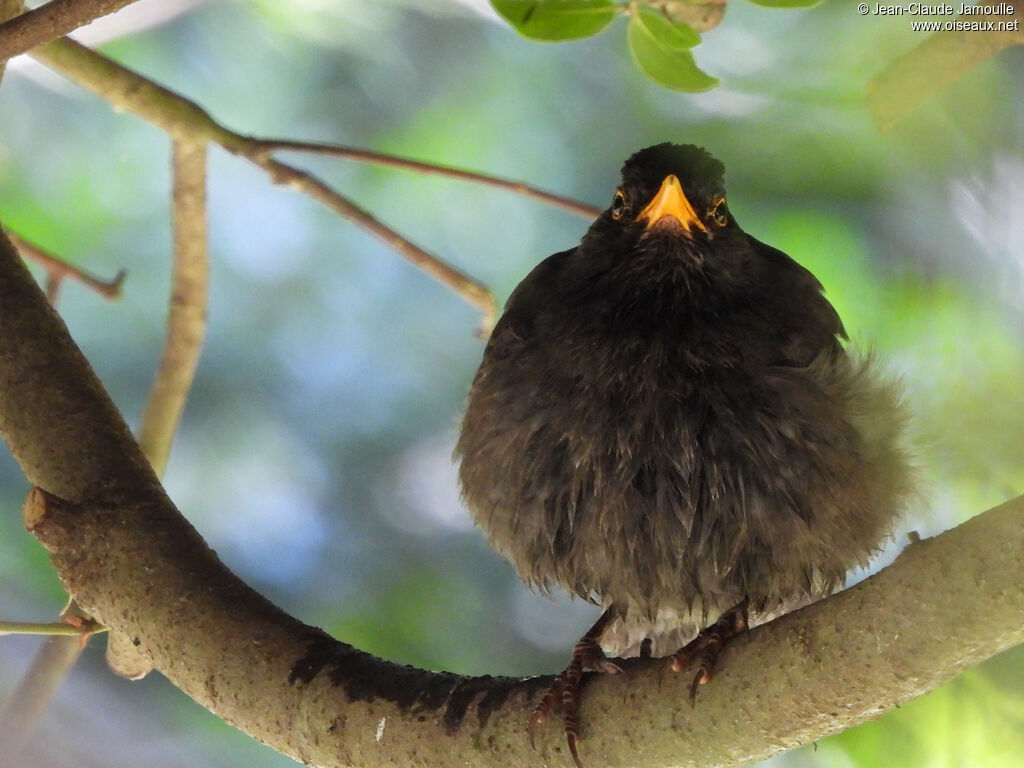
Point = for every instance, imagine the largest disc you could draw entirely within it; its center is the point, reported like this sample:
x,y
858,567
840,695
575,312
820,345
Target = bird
x,y
668,421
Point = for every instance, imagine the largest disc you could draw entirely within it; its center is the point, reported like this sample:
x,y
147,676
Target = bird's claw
x,y
565,689
703,676
707,646
545,707
572,739
607,667
537,717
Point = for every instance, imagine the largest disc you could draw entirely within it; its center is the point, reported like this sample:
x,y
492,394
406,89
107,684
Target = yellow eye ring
x,y
719,212
618,205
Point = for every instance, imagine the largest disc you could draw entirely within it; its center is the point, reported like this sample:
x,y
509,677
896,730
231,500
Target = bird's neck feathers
x,y
662,273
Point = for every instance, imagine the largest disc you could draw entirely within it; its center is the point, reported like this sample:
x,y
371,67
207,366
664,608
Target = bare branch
x,y
51,664
58,628
458,281
393,161
186,319
125,90
57,270
182,119
135,564
48,22
53,283
27,703
8,10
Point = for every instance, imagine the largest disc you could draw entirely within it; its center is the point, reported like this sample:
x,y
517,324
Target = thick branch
x,y
124,552
185,325
8,10
48,22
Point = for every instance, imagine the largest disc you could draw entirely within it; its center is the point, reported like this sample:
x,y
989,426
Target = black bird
x,y
666,422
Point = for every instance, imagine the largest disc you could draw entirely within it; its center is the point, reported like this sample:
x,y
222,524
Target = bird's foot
x,y
707,646
566,688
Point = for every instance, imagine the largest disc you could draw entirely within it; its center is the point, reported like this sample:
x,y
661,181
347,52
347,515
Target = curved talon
x,y
572,739
566,687
539,716
707,646
678,662
698,681
545,706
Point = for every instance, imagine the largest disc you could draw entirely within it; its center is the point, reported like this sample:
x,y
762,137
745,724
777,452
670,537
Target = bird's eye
x,y
618,205
719,212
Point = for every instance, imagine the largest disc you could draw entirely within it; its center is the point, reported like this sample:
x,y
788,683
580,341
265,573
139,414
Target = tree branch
x,y
184,120
52,662
48,22
186,320
58,269
135,564
8,10
941,58
173,380
469,289
431,169
54,629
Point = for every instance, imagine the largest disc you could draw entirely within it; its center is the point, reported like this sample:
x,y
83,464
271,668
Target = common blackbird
x,y
666,422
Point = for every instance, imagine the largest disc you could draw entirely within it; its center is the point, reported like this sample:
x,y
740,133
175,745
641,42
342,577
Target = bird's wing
x,y
806,324
526,307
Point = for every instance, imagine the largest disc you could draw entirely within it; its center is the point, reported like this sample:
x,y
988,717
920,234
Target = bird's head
x,y
671,209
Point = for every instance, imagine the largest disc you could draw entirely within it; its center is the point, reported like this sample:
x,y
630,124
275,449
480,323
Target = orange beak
x,y
671,201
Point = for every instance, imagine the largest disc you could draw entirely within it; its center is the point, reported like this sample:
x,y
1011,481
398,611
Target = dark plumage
x,y
665,420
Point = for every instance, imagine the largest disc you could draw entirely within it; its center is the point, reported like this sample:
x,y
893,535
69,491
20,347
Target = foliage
x,y
659,34
314,455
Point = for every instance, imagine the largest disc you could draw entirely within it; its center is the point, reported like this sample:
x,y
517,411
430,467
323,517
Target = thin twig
x,y
57,269
29,701
57,628
50,21
183,119
394,161
26,705
462,284
186,319
53,287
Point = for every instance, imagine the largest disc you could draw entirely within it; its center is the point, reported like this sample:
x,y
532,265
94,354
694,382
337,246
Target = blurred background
x,y
314,455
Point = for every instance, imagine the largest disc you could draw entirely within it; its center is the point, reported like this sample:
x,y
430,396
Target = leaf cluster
x,y
660,35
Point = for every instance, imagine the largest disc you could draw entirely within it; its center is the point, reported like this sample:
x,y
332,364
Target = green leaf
x,y
661,55
786,3
557,19
674,35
